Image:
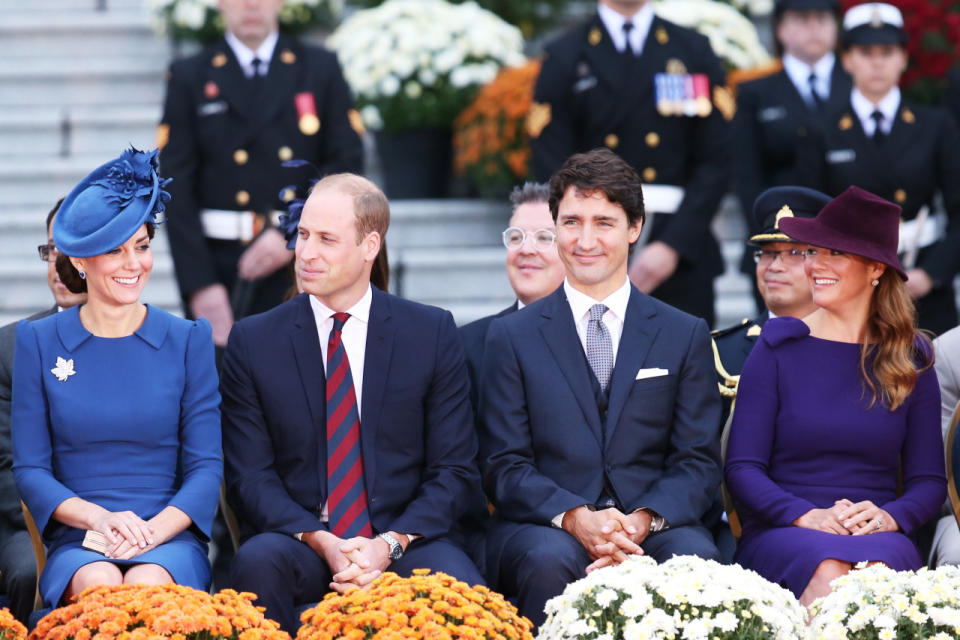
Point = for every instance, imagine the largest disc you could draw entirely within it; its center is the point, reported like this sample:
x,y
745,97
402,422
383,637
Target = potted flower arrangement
x,y
732,36
490,142
139,612
684,597
934,29
413,66
199,20
878,603
421,607
10,627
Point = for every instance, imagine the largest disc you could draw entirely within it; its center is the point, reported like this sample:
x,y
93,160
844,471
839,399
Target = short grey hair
x,y
529,192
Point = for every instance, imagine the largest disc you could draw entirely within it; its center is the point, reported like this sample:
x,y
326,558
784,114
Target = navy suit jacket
x,y
544,446
474,336
417,434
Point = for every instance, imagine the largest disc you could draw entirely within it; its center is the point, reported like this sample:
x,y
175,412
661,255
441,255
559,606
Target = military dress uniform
x,y
665,112
224,137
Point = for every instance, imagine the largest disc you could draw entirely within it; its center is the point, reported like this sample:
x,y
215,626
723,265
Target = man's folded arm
x,y
518,489
255,488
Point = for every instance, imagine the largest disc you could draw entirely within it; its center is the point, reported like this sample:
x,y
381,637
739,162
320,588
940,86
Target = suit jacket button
x,y
285,153
649,175
652,139
611,140
243,198
240,156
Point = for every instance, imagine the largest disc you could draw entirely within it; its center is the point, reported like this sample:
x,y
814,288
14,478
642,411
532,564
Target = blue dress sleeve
x,y
200,446
32,446
752,439
921,459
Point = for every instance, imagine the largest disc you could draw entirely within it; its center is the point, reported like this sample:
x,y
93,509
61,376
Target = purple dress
x,y
802,437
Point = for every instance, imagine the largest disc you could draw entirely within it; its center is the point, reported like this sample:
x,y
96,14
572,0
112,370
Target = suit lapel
x,y
309,358
840,86
560,334
635,341
791,95
376,366
639,87
602,56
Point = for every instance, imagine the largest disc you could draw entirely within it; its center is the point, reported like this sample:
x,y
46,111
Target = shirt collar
x,y
580,302
72,333
614,22
359,311
520,304
887,106
245,54
799,72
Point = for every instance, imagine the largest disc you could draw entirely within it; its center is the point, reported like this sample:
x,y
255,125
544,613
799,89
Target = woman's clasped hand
x,y
848,518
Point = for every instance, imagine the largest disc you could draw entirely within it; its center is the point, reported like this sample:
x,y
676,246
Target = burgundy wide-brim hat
x,y
857,222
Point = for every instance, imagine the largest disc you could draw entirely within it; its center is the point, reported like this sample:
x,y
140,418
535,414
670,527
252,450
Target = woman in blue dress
x,y
116,420
831,409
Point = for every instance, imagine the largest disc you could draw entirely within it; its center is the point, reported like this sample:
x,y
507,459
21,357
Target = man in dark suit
x,y
17,565
598,406
653,92
775,112
374,473
899,150
533,267
233,114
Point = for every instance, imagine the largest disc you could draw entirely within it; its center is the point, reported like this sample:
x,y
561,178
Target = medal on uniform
x,y
661,93
307,118
701,92
689,96
211,90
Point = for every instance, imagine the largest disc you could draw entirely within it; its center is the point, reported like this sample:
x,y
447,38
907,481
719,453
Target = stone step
x,y
78,81
59,36
83,131
446,223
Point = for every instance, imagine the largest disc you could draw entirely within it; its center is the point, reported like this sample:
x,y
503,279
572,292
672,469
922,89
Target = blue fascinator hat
x,y
110,204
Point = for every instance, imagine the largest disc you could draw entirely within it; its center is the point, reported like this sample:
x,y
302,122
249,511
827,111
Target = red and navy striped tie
x,y
347,502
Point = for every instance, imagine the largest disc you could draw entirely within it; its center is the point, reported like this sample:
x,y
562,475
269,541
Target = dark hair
x,y
604,171
69,275
53,212
529,192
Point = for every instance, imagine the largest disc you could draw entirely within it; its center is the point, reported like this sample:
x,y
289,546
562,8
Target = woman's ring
x,y
879,523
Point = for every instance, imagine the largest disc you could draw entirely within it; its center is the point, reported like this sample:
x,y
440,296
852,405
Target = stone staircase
x,y
82,79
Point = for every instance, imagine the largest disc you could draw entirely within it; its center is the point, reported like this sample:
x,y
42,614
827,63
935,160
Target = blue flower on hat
x,y
110,204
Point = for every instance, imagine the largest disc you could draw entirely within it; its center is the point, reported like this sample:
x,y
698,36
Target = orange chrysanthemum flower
x,y
163,612
422,607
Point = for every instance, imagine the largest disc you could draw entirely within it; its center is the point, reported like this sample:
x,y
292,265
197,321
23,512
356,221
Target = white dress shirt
x,y
864,109
614,22
616,302
799,74
354,336
245,54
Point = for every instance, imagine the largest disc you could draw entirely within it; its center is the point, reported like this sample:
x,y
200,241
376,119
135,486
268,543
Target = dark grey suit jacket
x,y
11,518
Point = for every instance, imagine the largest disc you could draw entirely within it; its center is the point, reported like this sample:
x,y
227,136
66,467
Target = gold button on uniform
x,y
243,198
285,153
240,156
649,174
288,195
900,196
611,140
652,139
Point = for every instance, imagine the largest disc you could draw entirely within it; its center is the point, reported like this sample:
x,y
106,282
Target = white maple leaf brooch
x,y
64,369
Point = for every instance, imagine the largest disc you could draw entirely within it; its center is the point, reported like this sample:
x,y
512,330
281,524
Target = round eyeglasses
x,y
515,237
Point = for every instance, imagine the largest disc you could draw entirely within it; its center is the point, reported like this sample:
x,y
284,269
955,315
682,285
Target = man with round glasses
x,y
533,267
17,564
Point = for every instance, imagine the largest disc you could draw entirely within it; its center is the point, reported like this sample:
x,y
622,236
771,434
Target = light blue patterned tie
x,y
599,346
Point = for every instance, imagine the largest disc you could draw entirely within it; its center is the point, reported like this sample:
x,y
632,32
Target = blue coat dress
x,y
127,423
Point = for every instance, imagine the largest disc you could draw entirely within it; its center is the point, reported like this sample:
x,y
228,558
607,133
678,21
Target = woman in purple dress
x,y
832,408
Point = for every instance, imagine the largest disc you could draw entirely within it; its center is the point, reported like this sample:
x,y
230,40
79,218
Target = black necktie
x,y
817,100
256,80
628,49
878,134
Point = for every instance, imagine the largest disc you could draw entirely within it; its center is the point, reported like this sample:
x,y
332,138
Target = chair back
x,y
39,550
953,463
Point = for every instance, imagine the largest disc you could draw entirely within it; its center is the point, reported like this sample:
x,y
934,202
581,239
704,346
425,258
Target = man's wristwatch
x,y
396,549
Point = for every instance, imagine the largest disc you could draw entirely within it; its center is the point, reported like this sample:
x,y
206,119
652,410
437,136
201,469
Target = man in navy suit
x,y
598,406
347,430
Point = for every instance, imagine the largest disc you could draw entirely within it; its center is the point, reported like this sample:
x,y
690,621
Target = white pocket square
x,y
651,373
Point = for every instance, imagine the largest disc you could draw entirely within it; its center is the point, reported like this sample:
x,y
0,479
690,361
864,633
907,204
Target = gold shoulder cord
x,y
728,388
